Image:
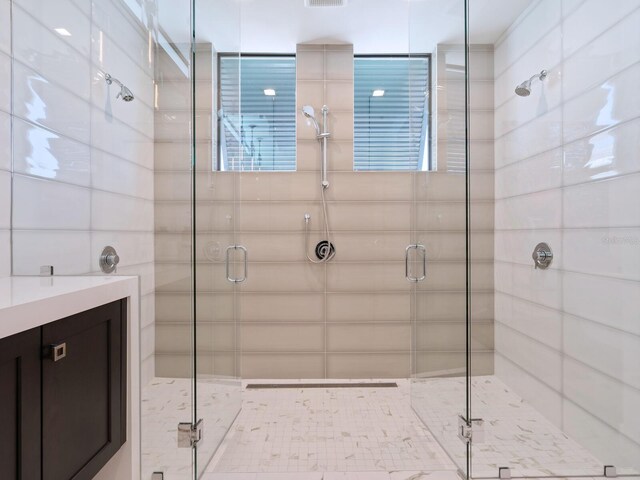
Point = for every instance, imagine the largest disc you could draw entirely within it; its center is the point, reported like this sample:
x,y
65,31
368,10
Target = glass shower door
x,y
440,302
219,262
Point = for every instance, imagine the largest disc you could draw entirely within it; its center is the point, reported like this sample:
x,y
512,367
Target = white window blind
x,y
391,119
257,118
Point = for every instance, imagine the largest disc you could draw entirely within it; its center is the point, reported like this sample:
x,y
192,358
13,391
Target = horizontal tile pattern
x,y
566,160
367,365
362,338
368,307
352,317
302,365
282,338
81,169
440,333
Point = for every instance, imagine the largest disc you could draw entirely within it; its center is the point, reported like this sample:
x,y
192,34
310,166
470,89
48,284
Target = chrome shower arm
x,y
540,76
109,79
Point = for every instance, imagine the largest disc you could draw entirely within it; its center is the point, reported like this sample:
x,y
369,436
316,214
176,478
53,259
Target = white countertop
x,y
29,302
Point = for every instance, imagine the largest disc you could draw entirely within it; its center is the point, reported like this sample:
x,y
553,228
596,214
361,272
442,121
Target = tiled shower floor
x,y
329,430
515,434
165,402
331,433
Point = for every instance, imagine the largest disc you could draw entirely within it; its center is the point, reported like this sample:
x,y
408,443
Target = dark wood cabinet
x,y
66,405
20,406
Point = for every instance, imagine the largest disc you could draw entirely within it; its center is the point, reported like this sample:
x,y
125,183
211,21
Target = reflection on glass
x,y
36,107
41,160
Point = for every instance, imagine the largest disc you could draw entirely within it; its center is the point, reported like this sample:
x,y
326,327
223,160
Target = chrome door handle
x,y
227,262
418,248
244,263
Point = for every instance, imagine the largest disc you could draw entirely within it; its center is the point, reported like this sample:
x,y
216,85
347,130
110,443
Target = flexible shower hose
x,y
329,253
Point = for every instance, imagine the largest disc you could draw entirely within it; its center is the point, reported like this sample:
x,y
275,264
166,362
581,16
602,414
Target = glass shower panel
x,y
168,396
563,397
218,263
440,329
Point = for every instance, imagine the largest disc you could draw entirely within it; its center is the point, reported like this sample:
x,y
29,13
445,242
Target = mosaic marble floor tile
x,y
515,434
165,402
329,430
356,433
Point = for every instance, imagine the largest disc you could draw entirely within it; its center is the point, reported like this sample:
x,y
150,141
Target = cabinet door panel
x,y
20,406
81,393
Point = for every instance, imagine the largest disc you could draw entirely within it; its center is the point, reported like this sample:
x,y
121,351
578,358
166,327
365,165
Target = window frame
x,y
431,164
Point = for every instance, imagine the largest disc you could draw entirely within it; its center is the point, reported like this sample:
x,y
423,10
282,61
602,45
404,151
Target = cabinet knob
x,y
57,351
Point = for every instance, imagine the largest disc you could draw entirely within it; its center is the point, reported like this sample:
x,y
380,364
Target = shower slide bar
x,y
419,249
227,263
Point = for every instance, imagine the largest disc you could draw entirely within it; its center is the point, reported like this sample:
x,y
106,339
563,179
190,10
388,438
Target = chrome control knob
x,y
109,259
542,256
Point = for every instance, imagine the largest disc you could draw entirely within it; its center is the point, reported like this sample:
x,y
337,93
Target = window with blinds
x,y
257,113
392,115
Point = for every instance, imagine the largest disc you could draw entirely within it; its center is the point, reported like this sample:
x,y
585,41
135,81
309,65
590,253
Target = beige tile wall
x,y
352,317
440,315
174,225
172,219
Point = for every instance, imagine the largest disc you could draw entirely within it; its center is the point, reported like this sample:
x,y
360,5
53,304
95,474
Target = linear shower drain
x,y
264,386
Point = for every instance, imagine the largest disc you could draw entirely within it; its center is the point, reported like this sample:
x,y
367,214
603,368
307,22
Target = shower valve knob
x,y
109,259
542,256
112,259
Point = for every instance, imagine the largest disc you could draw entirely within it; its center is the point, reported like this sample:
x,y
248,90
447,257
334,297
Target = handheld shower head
x,y
124,93
524,89
310,113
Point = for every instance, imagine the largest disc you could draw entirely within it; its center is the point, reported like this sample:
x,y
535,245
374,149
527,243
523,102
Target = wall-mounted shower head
x,y
125,93
310,113
524,89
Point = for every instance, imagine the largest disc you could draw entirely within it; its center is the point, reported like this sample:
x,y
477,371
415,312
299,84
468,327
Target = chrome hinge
x,y
464,429
470,431
189,434
46,270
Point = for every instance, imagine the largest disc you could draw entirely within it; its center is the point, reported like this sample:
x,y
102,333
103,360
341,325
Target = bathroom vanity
x,y
66,402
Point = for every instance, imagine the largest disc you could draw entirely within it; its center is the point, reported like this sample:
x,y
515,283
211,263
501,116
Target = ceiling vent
x,y
325,3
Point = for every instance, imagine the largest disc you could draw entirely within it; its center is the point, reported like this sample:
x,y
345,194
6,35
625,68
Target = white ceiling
x,y
372,26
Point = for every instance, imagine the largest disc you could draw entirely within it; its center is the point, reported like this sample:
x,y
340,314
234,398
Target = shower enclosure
x,y
482,198
231,229
433,276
